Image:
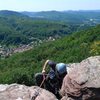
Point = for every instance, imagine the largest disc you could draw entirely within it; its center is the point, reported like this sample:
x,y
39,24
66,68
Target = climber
x,y
52,80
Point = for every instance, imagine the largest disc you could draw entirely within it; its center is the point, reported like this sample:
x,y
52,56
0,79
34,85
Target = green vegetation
x,y
16,28
21,67
71,17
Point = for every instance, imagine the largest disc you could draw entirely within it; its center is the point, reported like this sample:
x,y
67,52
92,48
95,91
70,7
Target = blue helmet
x,y
61,68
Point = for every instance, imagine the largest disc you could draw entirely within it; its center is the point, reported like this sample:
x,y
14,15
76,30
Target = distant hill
x,y
7,13
21,67
76,17
16,28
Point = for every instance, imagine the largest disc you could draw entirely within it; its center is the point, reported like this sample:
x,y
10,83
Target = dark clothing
x,y
50,84
52,65
51,74
39,79
53,81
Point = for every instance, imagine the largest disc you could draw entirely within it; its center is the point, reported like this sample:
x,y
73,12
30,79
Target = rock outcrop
x,y
22,92
83,80
81,83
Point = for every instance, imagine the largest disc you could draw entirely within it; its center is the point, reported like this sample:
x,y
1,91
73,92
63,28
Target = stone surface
x,y
87,71
83,80
81,83
22,92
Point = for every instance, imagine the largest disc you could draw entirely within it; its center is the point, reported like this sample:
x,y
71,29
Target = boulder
x,y
22,92
83,80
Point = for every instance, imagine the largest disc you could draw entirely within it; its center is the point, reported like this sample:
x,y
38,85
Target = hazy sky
x,y
45,5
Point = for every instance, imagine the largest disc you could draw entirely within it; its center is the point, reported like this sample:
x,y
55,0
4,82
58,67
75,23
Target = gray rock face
x,y
87,71
22,92
83,79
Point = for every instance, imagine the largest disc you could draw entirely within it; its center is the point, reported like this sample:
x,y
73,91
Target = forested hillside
x,y
21,67
16,28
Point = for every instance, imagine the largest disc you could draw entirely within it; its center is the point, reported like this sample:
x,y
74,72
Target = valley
x,y
26,42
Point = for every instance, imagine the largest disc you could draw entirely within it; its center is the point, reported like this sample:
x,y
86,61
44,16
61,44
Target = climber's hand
x,y
43,72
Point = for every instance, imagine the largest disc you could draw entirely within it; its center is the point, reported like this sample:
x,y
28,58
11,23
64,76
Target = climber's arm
x,y
44,67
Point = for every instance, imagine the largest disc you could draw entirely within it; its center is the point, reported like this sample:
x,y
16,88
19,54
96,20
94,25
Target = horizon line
x,y
50,10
